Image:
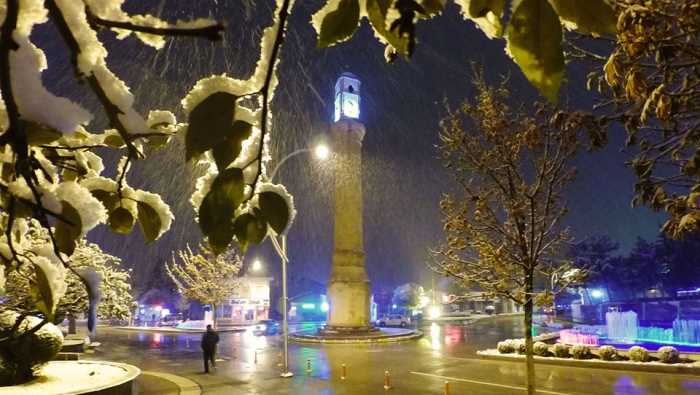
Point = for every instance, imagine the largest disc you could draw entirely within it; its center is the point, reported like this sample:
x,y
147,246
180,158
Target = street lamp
x,y
322,152
256,266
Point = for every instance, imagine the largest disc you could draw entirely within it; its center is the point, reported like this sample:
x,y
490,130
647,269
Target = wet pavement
x,y
248,364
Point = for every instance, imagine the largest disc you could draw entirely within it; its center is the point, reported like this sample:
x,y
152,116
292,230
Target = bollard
x,y
387,381
255,357
308,366
343,372
447,388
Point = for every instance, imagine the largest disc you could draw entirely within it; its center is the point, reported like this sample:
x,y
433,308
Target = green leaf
x,y
114,140
158,142
149,220
535,41
121,220
249,229
42,293
108,199
38,134
227,152
216,214
67,234
340,24
209,123
595,17
487,14
376,12
274,210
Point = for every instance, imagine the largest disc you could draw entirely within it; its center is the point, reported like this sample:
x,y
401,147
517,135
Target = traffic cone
x,y
387,380
343,372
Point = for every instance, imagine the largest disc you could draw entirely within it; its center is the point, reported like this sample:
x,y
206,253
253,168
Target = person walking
x,y
209,341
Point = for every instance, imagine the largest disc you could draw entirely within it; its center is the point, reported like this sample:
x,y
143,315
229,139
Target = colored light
x,y
324,306
596,293
434,311
393,306
256,266
308,306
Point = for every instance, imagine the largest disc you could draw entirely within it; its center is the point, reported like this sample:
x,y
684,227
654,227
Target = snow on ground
x,y
74,377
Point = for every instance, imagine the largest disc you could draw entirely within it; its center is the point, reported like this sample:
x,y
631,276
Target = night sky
x,y
401,106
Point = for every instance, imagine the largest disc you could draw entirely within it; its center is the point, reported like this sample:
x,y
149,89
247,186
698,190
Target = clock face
x,y
351,106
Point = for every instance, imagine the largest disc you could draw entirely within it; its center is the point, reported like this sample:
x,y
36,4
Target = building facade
x,y
249,303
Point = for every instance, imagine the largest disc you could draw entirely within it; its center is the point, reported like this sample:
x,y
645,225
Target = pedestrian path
x,y
162,383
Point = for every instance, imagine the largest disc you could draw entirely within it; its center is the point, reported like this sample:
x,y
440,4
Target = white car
x,y
394,320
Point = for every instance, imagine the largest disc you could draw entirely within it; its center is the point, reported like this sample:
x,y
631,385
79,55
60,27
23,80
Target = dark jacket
x,y
209,340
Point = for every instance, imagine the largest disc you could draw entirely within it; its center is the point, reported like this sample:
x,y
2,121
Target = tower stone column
x,y
348,286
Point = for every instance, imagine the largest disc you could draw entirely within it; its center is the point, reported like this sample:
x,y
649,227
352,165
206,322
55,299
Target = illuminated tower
x,y
348,286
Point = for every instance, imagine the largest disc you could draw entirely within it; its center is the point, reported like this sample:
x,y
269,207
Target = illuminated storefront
x,y
249,303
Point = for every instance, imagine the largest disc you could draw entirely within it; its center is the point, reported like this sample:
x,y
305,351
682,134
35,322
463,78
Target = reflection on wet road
x,y
249,364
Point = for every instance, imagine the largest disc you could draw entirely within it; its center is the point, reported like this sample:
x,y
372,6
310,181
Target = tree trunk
x,y
71,324
529,359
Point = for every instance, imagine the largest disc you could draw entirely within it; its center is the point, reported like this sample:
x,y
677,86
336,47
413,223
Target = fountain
x,y
686,331
570,336
622,326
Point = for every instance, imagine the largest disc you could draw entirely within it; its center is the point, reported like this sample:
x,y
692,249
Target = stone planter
x,y
79,377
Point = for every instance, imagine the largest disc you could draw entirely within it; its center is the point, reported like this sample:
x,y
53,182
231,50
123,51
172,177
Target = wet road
x,y
249,365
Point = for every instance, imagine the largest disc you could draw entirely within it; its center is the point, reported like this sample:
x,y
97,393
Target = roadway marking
x,y
511,387
185,385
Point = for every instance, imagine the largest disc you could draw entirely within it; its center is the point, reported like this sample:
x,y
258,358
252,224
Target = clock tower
x,y
348,285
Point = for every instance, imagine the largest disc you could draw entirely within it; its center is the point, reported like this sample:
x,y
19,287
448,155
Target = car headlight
x,y
262,327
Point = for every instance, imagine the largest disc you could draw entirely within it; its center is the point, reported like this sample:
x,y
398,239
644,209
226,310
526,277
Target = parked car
x,y
266,328
394,320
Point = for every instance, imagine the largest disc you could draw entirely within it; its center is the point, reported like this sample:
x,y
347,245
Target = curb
x,y
380,339
596,364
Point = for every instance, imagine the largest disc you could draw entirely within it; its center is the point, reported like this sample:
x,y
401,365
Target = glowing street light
x,y
256,266
322,152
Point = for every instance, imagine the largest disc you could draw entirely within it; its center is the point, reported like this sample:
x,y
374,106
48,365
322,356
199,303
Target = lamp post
x,y
322,152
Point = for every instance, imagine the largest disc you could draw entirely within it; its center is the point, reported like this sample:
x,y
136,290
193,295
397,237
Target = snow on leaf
x,y
34,102
205,87
91,210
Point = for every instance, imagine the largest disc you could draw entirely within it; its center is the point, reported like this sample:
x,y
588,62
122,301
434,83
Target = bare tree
x,y
204,276
503,226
